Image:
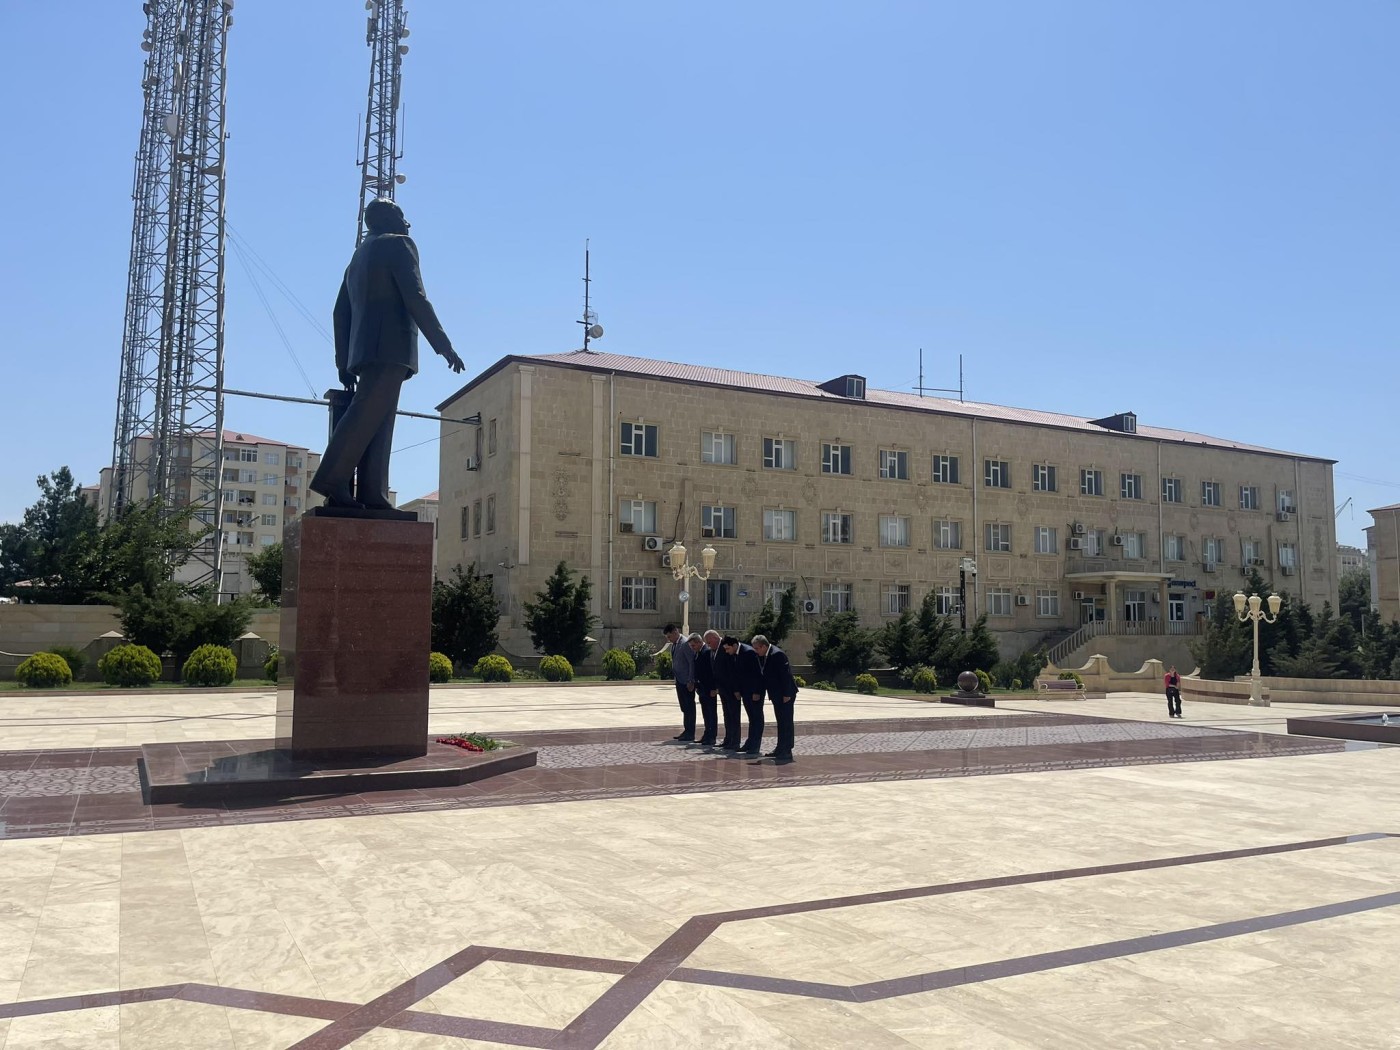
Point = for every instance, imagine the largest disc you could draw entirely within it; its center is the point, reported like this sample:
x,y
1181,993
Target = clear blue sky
x,y
1186,209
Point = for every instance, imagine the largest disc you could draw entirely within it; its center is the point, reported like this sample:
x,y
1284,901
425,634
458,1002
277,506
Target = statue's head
x,y
384,216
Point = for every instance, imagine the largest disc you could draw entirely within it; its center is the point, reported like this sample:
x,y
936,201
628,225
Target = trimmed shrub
x,y
801,682
74,658
556,669
866,683
1068,676
129,665
1016,684
494,668
524,674
665,665
210,665
618,666
439,667
640,652
984,680
826,687
272,665
44,671
924,679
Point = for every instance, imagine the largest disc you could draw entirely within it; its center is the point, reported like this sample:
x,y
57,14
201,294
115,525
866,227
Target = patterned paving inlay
x,y
55,782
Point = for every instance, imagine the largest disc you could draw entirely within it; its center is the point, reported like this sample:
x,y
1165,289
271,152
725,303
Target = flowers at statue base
x,y
470,742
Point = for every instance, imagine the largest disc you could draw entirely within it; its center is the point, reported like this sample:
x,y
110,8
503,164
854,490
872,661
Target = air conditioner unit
x,y
1256,561
707,533
809,605
1078,528
1208,566
472,464
625,526
1284,515
1075,543
651,543
1023,599
1118,541
1079,596
666,559
1289,570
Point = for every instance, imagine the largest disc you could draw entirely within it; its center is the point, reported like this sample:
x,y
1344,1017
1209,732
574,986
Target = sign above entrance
x,y
1181,583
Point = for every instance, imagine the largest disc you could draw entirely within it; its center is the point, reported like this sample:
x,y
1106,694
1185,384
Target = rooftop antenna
x,y
591,328
940,389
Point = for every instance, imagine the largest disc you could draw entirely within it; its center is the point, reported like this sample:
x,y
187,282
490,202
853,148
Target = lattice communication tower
x,y
168,442
387,28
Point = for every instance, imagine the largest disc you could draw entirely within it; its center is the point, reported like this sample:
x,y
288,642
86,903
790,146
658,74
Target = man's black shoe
x,y
682,736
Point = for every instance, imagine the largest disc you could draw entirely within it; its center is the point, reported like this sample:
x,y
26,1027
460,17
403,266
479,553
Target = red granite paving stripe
x,y
68,1003
473,1028
266,1002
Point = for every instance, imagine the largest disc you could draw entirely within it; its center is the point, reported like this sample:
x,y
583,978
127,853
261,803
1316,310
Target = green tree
x,y
1354,598
765,622
49,544
167,619
465,615
787,617
842,645
1380,648
1225,649
265,566
559,619
145,544
899,641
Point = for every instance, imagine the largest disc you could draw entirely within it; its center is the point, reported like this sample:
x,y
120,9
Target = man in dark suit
x,y
705,687
726,687
748,684
782,691
378,315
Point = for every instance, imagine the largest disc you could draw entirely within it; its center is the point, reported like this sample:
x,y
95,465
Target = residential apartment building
x,y
858,498
426,507
263,487
1383,547
1351,559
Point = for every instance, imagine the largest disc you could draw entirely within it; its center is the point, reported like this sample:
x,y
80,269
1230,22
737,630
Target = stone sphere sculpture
x,y
968,683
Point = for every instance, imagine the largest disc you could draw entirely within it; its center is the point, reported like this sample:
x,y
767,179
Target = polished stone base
x,y
968,700
229,770
1350,727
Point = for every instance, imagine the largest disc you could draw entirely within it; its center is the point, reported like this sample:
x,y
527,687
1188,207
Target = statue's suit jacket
x,y
381,307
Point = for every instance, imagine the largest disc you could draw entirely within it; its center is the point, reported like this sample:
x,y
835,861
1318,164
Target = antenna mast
x,y
168,439
940,389
379,155
591,328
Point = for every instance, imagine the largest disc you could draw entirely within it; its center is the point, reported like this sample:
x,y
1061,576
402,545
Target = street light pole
x,y
1254,614
682,570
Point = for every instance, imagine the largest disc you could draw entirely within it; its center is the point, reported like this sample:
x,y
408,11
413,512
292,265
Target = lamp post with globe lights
x,y
1248,609
682,570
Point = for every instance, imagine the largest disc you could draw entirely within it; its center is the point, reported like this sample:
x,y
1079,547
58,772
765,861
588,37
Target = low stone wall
x,y
1329,691
1208,691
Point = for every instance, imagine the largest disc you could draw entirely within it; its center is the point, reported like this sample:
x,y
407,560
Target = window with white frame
x,y
1091,482
269,519
1250,553
773,591
945,470
945,601
716,447
1043,478
269,499
637,439
1094,542
836,459
1249,497
1134,545
837,597
267,541
466,522
947,535
476,518
996,474
779,454
998,536
639,594
248,477
1287,555
270,479
491,438
490,514
272,459
894,465
1285,501
999,601
1173,548
894,530
1130,486
837,527
1171,490
1210,494
896,598
779,525
1046,540
204,517
1047,602
718,522
248,455
636,515
1212,550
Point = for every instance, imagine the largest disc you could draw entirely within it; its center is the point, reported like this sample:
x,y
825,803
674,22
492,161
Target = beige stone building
x,y
1383,548
426,507
859,498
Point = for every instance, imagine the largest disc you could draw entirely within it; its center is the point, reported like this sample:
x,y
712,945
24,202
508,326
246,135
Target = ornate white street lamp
x,y
682,570
1254,613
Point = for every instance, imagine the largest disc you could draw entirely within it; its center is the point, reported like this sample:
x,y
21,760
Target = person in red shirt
x,y
1172,680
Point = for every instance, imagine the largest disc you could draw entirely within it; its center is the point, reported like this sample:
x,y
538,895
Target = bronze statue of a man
x,y
380,311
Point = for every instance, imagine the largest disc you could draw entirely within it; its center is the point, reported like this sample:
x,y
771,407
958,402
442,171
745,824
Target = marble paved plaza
x,y
1196,883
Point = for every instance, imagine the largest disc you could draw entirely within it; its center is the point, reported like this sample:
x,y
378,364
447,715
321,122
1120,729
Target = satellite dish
x,y
171,123
596,332
400,179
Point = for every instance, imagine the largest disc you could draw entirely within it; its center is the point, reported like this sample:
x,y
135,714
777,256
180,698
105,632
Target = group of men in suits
x,y
724,675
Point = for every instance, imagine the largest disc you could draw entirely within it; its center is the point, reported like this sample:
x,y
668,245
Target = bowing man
x,y
782,692
748,683
705,687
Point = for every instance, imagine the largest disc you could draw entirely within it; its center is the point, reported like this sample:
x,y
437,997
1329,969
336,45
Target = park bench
x,y
1060,685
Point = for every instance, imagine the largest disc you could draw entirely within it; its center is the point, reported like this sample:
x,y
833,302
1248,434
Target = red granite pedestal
x,y
355,638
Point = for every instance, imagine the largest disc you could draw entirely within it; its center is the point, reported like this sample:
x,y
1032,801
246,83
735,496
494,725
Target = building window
x,y
247,455
476,518
997,474
1047,602
1094,542
837,527
272,459
718,522
773,591
1174,548
269,499
999,601
837,597
1210,494
267,541
896,598
779,525
1171,490
638,439
1285,501
205,517
894,465
1249,497
945,470
480,444
947,535
269,519
998,537
894,530
1046,540
779,454
466,522
637,515
271,479
1249,553
1043,478
1091,483
639,594
1130,486
491,438
946,601
1287,556
490,514
247,477
1212,550
836,459
718,448
1134,545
